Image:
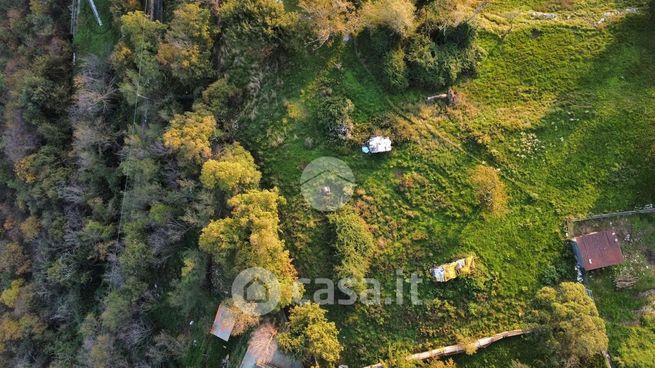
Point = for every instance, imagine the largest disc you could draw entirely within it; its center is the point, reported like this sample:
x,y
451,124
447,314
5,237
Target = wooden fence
x,y
457,349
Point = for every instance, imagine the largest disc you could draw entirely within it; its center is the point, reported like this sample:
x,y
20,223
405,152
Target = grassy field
x,y
560,107
90,37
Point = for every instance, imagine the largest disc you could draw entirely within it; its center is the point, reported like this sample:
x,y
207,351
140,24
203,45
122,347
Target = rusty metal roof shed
x,y
597,250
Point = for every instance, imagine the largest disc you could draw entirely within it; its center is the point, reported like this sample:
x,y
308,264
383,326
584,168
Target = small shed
x,y
223,323
597,250
377,144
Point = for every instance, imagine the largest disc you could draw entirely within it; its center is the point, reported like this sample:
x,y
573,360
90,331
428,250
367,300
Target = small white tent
x,y
377,144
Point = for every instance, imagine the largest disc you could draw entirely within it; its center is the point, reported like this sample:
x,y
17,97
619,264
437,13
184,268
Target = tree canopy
x,y
396,15
354,244
309,336
135,57
568,325
328,18
234,171
187,46
189,135
249,238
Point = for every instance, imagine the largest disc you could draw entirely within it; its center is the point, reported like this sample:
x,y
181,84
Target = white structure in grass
x,y
377,144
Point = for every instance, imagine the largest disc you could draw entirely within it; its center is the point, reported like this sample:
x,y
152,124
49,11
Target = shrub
x,y
186,292
489,190
518,364
354,245
437,56
469,343
395,69
378,42
637,347
397,15
334,115
310,336
550,275
217,98
423,64
442,364
397,358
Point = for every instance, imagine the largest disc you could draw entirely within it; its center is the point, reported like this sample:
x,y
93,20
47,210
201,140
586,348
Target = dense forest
x,y
137,181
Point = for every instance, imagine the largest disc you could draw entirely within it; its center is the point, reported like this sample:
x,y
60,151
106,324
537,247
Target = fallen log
x,y
450,96
459,348
437,97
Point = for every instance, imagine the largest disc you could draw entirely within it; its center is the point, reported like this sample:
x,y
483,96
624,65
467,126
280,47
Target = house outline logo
x,y
256,291
327,183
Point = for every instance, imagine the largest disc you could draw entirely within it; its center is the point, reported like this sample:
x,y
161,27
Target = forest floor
x,y
92,38
559,106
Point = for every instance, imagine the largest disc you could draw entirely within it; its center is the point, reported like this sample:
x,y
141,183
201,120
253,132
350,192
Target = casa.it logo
x,y
327,183
256,291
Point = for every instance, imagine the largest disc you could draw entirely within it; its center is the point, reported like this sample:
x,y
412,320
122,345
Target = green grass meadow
x,y
559,107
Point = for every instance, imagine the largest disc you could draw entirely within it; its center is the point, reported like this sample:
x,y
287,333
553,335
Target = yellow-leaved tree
x,y
310,337
189,135
250,238
397,15
188,44
328,18
234,171
566,322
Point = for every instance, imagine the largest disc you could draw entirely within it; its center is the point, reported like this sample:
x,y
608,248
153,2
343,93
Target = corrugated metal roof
x,y
223,323
598,250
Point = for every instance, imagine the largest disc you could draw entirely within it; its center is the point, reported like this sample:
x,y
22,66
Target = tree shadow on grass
x,y
599,161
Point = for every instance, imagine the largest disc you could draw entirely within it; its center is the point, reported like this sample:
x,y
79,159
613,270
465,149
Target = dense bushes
x,y
333,115
489,190
254,30
637,347
430,51
568,325
431,65
396,15
309,336
217,99
354,246
395,69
